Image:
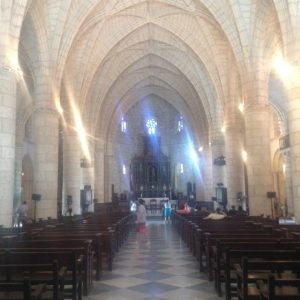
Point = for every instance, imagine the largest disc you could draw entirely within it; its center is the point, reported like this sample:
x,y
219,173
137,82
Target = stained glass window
x,y
181,168
180,124
151,125
123,125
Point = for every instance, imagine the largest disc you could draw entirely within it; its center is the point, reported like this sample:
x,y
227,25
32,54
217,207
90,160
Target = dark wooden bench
x,y
248,272
80,247
47,274
24,290
233,257
279,289
221,246
69,259
96,238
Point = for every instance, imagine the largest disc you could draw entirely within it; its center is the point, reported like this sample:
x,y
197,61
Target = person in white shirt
x,y
141,215
218,215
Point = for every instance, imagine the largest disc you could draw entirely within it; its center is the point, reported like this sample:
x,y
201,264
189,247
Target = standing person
x,y
141,216
167,210
23,213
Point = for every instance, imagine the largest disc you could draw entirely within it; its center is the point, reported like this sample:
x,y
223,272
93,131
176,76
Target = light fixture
x,y
223,129
200,149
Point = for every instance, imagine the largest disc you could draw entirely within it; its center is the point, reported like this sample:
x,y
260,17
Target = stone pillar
x,y
99,173
18,174
46,163
206,171
288,182
294,129
88,173
259,158
108,176
234,164
218,172
72,170
7,144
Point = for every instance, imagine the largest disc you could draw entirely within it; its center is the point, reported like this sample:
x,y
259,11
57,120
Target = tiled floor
x,y
155,266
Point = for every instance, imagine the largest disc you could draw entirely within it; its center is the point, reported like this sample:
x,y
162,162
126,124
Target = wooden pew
x,y
232,257
80,247
211,239
219,249
249,272
48,274
69,259
25,289
96,238
279,289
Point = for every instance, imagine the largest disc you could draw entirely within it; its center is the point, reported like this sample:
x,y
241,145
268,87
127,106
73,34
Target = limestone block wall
x,y
7,145
45,126
258,162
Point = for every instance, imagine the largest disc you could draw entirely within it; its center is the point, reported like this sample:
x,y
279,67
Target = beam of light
x,y
193,155
241,107
13,64
244,155
81,132
283,69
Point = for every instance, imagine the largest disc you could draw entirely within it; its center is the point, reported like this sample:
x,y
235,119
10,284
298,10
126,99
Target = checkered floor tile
x,y
154,266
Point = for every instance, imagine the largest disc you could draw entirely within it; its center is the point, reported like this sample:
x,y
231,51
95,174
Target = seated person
x,y
232,212
241,212
186,209
203,212
218,215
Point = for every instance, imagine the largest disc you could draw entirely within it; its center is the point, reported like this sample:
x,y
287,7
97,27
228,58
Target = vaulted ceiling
x,y
106,55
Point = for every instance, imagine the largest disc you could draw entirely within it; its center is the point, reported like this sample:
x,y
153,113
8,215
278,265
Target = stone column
x,y
259,158
218,172
88,173
7,144
294,129
288,182
99,173
72,170
234,164
18,174
108,176
206,171
46,163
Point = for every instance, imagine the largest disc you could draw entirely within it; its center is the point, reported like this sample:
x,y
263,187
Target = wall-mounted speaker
x,y
271,195
36,197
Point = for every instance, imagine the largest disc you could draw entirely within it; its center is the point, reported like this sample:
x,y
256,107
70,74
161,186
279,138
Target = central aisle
x,y
154,266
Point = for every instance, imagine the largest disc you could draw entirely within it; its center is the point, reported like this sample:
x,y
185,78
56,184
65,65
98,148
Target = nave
x,y
157,266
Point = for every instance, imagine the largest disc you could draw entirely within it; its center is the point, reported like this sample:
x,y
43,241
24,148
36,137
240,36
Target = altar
x,y
150,173
158,205
159,200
